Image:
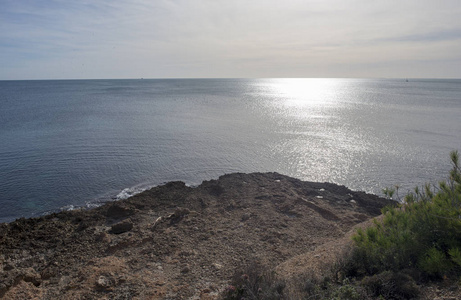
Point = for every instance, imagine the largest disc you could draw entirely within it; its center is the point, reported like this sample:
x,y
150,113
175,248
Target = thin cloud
x,y
121,38
438,36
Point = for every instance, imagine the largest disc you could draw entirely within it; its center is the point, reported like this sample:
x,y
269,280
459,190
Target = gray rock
x,y
103,283
245,217
121,227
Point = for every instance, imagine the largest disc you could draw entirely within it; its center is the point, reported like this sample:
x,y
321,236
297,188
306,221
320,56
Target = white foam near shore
x,y
129,192
88,205
124,194
67,207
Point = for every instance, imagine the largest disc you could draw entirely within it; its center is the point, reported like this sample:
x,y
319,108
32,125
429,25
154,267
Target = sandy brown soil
x,y
177,242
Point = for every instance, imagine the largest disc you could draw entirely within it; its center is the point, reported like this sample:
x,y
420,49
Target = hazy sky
x,y
44,39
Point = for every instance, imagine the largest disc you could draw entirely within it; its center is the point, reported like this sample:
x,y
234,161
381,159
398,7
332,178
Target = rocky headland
x,y
178,242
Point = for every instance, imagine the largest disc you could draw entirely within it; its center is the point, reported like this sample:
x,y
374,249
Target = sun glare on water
x,y
308,111
306,92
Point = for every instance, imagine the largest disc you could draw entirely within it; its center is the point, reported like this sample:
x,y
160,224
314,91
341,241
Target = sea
x,y
67,144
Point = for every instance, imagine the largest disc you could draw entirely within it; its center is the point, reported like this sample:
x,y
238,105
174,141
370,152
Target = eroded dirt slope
x,y
176,242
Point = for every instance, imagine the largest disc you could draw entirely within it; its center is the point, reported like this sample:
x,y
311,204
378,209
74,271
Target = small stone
x,y
103,282
30,275
8,267
185,269
121,227
64,282
103,237
180,212
217,266
245,217
178,215
213,287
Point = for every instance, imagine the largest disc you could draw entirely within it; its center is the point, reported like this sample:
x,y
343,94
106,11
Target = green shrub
x,y
254,281
390,285
325,288
346,291
422,232
434,262
455,254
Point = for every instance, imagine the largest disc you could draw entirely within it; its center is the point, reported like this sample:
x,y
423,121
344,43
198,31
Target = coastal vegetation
x,y
423,233
417,241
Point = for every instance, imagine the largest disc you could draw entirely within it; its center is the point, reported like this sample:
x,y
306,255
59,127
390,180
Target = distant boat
x,y
406,80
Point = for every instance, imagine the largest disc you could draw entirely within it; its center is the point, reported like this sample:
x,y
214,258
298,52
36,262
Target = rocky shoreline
x,y
178,242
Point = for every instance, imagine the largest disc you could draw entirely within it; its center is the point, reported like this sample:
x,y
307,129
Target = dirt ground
x,y
178,242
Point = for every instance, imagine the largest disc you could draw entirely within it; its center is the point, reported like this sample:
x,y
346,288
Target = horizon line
x,y
246,78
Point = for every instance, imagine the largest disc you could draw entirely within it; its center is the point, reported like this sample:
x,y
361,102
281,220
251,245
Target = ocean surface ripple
x,y
72,143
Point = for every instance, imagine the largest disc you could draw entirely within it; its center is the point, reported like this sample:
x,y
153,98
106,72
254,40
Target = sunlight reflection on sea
x,y
73,143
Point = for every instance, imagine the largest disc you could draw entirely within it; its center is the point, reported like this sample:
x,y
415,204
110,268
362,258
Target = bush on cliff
x,y
423,233
254,281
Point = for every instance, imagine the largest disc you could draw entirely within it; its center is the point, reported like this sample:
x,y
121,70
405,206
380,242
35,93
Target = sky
x,y
64,39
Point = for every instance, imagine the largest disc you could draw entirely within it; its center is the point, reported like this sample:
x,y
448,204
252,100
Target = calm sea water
x,y
77,143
